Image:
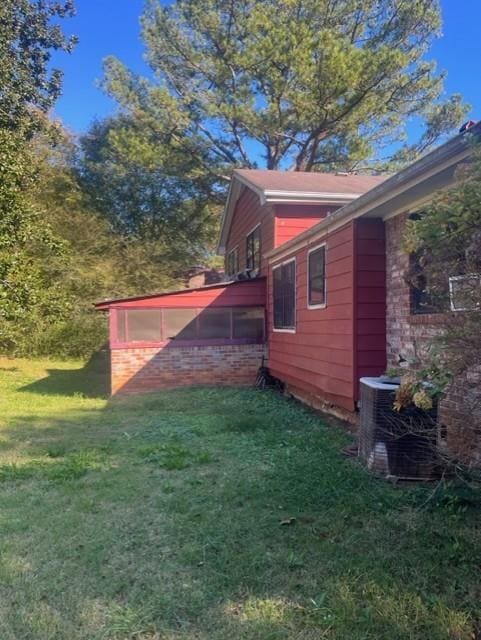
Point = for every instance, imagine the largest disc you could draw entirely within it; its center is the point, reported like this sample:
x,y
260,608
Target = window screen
x,y
253,250
284,291
214,324
180,324
121,326
317,276
248,323
143,325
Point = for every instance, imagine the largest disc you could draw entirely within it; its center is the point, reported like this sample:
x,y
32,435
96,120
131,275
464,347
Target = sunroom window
x,y
190,325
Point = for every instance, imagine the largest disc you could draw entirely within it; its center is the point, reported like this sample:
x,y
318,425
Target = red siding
x,y
369,300
279,223
333,347
247,215
291,220
249,293
318,358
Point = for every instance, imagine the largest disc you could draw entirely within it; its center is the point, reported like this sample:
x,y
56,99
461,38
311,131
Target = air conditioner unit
x,y
465,292
400,444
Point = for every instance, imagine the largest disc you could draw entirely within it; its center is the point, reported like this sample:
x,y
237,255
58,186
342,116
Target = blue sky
x,y
107,27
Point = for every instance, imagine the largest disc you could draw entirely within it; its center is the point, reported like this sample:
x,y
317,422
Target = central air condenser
x,y
394,443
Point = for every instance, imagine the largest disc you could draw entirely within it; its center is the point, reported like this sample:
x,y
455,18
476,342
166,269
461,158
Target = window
x,y
143,325
180,324
464,292
248,323
253,250
284,290
232,263
214,323
245,325
425,298
317,277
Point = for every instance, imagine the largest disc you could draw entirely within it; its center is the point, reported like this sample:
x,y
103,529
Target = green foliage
x,y
148,189
29,31
96,263
27,294
304,84
447,240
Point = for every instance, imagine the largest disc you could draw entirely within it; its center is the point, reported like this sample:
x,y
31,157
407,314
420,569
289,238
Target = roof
x,y
409,187
295,187
103,305
301,182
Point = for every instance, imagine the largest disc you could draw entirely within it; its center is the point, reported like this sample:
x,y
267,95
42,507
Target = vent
x,y
392,443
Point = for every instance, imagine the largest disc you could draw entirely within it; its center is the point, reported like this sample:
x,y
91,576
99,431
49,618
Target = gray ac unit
x,y
394,443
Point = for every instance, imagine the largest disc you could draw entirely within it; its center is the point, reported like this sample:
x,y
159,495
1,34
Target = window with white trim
x,y
253,250
284,294
316,275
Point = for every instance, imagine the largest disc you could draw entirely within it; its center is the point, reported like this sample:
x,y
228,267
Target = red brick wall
x,y
410,335
137,370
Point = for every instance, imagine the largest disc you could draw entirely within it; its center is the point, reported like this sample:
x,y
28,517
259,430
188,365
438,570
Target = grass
x,y
212,514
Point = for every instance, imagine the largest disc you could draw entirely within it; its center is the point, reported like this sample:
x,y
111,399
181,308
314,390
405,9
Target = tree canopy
x,y
28,33
293,84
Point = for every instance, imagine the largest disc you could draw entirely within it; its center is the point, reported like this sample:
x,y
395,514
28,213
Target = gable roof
x,y
296,187
274,184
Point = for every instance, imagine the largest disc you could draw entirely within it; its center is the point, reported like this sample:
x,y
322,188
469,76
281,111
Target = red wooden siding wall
x,y
334,346
369,300
291,220
248,214
279,223
318,358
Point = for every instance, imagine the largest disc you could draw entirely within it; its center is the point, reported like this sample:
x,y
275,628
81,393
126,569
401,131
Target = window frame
x,y
117,343
322,305
285,329
248,235
234,251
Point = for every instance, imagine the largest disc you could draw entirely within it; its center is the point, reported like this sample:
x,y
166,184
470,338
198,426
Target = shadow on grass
x,y
271,536
91,381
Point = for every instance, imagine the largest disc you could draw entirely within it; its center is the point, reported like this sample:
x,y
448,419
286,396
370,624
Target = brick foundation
x,y
148,369
409,336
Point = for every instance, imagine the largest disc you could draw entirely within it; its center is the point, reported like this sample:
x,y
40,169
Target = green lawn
x,y
168,516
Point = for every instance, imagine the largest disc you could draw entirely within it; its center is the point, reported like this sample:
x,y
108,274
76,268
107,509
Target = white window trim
x,y
278,266
452,280
324,304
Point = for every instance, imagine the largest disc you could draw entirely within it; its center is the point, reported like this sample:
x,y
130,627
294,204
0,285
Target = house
x,y
315,283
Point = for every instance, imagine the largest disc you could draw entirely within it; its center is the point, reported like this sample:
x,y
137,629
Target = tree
x,y
28,33
28,89
299,84
150,194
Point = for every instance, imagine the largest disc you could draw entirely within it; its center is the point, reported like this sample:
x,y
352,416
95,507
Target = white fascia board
x,y
311,197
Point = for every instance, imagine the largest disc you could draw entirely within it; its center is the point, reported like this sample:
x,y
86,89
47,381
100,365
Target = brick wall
x,y
137,370
409,336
